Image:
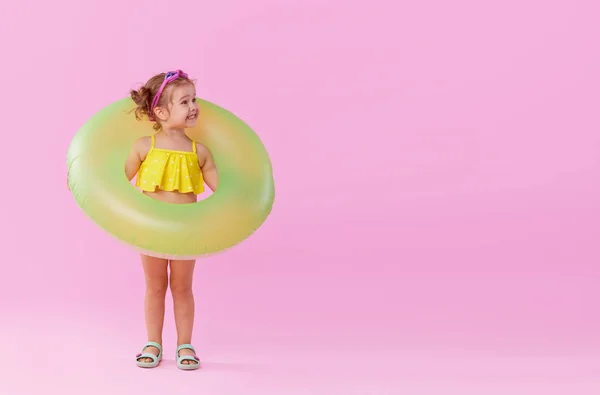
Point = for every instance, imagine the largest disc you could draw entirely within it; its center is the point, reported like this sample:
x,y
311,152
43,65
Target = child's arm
x,y
207,164
138,152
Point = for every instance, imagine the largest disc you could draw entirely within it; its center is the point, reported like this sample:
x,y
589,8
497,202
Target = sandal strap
x,y
153,344
146,355
184,347
188,358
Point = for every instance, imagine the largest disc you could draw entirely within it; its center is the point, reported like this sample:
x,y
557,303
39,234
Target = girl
x,y
172,168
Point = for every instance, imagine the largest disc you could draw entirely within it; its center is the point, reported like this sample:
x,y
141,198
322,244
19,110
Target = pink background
x,y
437,205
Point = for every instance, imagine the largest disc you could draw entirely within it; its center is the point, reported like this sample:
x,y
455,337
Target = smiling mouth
x,y
192,117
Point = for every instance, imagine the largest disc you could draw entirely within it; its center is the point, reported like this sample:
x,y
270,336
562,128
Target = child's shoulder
x,y
201,149
142,144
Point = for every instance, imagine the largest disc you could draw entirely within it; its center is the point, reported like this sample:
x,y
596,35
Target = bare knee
x,y
182,273
180,289
157,286
156,274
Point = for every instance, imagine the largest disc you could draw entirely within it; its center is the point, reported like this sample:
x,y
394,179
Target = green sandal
x,y
180,359
155,359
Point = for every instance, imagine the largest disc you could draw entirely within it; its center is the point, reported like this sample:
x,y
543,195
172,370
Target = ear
x,y
161,113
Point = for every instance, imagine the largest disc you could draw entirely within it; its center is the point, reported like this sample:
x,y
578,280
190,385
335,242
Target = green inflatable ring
x,y
240,205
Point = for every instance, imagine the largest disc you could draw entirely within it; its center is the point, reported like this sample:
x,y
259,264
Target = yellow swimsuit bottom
x,y
171,170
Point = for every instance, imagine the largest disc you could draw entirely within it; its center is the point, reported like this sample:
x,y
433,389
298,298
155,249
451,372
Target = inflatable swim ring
x,y
240,205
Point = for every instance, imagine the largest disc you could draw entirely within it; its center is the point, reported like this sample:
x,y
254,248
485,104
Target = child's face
x,y
184,109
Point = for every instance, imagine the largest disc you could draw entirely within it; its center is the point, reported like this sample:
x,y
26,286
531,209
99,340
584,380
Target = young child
x,y
172,168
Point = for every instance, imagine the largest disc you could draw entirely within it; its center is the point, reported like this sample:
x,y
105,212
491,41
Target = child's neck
x,y
173,132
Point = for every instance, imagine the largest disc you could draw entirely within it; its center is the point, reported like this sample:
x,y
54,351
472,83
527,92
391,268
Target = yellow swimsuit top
x,y
171,170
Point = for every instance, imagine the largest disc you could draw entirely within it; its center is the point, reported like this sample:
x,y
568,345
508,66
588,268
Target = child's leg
x,y
157,280
182,274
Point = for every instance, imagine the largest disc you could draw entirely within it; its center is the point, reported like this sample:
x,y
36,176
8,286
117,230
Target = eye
x,y
194,100
184,102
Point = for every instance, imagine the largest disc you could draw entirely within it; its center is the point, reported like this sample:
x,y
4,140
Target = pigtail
x,y
142,99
